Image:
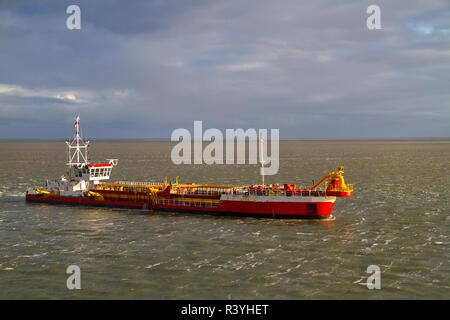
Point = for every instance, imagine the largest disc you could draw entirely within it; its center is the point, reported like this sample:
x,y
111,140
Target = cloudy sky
x,y
140,69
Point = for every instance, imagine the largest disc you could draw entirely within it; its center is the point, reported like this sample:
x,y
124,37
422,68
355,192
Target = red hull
x,y
297,210
85,201
285,210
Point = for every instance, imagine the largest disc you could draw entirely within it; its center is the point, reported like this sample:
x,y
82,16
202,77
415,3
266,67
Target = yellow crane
x,y
335,183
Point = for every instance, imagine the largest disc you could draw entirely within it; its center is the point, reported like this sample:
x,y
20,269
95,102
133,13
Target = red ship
x,y
83,185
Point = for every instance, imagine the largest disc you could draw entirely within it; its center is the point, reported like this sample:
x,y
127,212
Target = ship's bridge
x,y
99,171
94,172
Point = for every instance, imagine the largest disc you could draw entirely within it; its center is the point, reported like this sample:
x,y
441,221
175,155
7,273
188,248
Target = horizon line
x,y
281,139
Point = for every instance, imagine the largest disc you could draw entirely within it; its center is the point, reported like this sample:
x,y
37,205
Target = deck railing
x,y
138,184
179,203
147,186
266,192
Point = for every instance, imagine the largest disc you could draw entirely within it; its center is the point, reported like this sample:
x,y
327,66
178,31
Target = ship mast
x,y
261,149
77,149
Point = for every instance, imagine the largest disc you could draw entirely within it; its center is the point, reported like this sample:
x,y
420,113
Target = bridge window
x,y
100,172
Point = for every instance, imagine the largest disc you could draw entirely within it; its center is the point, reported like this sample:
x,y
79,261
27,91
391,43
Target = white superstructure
x,y
82,175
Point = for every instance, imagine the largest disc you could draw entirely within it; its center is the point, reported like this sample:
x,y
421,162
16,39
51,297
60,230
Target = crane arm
x,y
332,177
325,178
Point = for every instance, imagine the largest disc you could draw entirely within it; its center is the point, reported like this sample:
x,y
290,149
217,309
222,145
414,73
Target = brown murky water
x,y
398,219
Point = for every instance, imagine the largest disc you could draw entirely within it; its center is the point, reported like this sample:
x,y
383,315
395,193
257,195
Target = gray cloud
x,y
142,69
